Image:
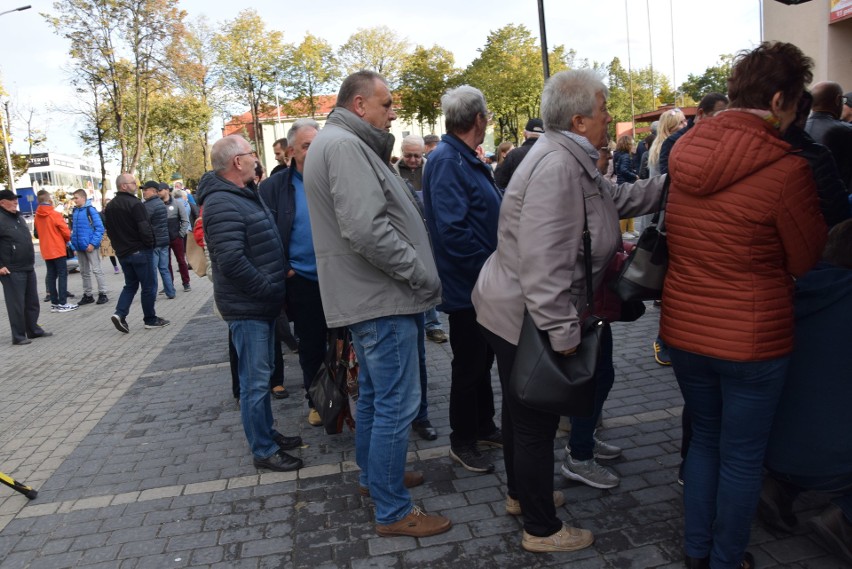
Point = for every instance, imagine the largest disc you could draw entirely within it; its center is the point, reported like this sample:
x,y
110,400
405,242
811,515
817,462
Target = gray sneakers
x,y
603,450
589,472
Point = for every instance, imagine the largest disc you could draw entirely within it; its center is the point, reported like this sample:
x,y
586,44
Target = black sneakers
x,y
280,462
102,298
86,299
158,323
471,458
120,324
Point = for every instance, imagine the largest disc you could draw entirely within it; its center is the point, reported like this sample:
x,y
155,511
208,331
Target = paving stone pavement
x,y
136,447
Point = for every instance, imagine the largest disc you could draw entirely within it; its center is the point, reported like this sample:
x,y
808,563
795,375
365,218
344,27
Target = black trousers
x,y
305,306
20,292
528,437
471,397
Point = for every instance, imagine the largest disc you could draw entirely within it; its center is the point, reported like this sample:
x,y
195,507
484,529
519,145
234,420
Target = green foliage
x,y
508,71
174,121
249,62
713,80
312,70
378,49
426,76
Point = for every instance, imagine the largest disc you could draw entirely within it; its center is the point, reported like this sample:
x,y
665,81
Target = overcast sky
x,y
33,58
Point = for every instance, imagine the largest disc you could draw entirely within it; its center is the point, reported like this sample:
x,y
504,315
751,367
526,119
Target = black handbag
x,y
546,381
330,389
644,270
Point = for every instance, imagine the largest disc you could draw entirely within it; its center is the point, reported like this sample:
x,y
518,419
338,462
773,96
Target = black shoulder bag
x,y
546,381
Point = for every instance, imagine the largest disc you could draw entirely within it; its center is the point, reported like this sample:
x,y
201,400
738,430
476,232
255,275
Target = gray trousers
x,y
90,262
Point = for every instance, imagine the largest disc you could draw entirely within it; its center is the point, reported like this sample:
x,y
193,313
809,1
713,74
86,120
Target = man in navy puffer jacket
x,y
248,284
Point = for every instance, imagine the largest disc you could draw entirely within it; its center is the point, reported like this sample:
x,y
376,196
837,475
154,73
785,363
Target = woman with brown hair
x,y
728,301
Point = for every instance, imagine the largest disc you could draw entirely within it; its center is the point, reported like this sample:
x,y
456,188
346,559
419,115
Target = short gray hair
x,y
300,123
413,140
461,107
223,152
570,93
178,193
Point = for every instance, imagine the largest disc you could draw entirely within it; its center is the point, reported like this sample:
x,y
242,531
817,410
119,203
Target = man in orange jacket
x,y
53,233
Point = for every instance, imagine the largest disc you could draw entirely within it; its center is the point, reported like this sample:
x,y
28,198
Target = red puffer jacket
x,y
743,219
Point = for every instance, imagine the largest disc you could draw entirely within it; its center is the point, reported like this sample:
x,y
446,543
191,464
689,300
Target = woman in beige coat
x,y
539,264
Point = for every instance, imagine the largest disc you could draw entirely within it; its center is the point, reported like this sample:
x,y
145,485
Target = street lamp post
x,y
3,123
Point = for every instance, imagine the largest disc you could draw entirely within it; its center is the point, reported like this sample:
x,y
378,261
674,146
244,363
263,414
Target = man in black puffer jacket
x,y
159,216
247,259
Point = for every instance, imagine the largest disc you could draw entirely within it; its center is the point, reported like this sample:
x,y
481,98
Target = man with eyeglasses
x,y
247,259
410,168
462,206
132,237
826,110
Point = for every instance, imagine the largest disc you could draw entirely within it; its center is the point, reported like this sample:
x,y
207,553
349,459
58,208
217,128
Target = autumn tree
x,y
120,45
426,75
19,163
248,61
508,71
713,80
312,70
378,49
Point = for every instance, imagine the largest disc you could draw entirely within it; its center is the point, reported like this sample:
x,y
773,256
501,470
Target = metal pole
x,y
6,148
545,64
19,9
630,70
651,53
674,74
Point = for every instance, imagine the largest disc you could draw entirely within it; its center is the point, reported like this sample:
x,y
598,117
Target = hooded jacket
x,y
87,228
53,232
246,253
743,219
373,253
812,424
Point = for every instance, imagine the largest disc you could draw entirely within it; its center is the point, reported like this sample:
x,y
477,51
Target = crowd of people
x,y
339,236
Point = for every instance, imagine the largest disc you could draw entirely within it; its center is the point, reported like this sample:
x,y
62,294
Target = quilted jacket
x,y
743,219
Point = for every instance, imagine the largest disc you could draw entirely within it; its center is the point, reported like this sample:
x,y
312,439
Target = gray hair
x,y
300,123
461,107
178,193
223,152
413,140
654,126
570,93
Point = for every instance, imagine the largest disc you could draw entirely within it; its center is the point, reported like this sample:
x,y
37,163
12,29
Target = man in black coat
x,y
17,272
503,174
247,260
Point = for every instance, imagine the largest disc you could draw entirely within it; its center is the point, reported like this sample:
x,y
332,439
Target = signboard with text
x,y
840,10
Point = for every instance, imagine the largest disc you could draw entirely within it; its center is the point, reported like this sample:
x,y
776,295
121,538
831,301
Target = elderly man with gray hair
x,y
248,285
462,205
284,195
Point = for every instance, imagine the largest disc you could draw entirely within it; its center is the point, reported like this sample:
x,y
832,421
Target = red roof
x,y
241,124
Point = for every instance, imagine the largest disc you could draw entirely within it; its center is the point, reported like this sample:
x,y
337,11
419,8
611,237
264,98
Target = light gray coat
x,y
373,253
539,257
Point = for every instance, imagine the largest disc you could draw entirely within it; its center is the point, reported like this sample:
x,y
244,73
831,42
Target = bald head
x,y
828,98
126,183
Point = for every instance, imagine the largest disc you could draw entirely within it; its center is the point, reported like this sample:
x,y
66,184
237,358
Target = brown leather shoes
x,y
416,524
410,479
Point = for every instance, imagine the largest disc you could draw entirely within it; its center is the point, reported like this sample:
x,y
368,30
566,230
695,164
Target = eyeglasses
x,y
412,155
252,153
488,115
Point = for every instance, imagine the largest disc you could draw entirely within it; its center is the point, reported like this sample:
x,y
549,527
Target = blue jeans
x,y
582,438
732,406
161,265
57,271
138,271
433,321
254,342
388,399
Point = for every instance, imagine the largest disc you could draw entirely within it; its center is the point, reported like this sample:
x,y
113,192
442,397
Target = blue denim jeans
x,y
57,279
582,438
423,412
254,342
138,271
732,406
433,321
161,265
388,399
